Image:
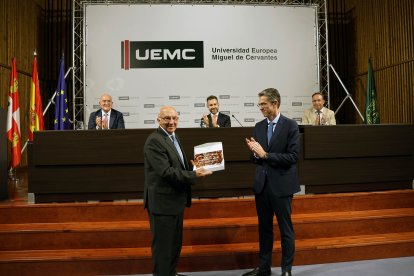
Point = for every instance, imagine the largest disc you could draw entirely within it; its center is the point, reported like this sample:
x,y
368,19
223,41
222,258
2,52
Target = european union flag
x,y
61,101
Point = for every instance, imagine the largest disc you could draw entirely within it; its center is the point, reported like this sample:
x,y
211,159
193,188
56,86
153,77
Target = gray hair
x,y
272,95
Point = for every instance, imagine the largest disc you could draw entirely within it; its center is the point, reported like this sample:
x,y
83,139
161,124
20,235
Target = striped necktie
x,y
177,147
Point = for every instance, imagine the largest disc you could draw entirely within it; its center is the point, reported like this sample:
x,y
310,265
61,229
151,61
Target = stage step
x,y
201,257
218,208
113,238
38,236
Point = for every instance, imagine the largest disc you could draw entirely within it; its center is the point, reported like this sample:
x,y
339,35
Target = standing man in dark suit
x,y
215,118
168,180
275,148
106,117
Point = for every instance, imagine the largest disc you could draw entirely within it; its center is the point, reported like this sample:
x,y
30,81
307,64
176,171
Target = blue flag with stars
x,y
61,101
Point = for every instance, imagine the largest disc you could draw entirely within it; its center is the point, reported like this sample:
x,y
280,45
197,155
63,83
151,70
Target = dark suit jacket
x,y
167,188
283,152
116,120
223,120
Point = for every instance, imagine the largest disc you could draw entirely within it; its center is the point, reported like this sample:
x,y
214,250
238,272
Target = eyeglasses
x,y
167,119
264,104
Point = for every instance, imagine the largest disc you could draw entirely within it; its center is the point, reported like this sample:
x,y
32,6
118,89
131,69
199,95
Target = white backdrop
x,y
260,47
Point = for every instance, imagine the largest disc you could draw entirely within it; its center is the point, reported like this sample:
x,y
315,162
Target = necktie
x,y
105,121
318,118
269,132
177,147
215,119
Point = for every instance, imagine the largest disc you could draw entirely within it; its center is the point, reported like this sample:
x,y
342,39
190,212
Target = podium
x,y
109,165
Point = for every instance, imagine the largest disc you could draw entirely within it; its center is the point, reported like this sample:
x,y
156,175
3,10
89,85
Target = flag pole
x,y
48,105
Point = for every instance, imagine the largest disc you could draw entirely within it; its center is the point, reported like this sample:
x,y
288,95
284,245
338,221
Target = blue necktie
x,y
177,146
269,132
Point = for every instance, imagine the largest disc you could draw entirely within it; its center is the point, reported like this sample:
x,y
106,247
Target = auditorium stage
x,y
113,237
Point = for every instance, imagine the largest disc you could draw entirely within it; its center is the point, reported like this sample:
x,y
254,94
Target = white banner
x,y
147,56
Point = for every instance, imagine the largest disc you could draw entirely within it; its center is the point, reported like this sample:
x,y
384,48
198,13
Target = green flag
x,y
371,107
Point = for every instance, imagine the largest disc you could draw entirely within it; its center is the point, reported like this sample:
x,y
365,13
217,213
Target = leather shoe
x,y
286,273
259,272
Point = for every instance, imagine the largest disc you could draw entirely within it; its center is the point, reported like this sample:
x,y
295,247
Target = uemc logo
x,y
162,54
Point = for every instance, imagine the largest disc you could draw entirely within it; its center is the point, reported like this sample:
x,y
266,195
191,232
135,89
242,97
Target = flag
x,y
36,110
13,118
61,101
371,107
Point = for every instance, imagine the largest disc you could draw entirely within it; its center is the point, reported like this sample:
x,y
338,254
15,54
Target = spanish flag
x,y
36,110
13,118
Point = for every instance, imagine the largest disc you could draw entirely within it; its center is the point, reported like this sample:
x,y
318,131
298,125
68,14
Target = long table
x,y
109,165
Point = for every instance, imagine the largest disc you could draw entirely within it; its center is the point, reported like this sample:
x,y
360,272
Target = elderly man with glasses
x,y
168,181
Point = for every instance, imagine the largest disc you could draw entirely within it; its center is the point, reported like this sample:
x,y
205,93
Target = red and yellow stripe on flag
x,y
13,118
36,110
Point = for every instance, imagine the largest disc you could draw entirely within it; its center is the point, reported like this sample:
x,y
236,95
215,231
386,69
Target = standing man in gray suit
x,y
168,180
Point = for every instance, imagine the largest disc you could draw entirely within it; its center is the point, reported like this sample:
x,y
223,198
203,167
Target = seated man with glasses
x,y
106,117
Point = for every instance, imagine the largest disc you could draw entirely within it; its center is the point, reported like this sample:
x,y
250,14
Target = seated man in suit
x,y
215,118
106,117
318,114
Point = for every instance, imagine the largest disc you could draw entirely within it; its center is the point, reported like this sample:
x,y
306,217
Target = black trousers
x,y
267,205
166,246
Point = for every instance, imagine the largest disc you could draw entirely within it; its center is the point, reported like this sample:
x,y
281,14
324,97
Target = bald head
x,y
105,102
168,118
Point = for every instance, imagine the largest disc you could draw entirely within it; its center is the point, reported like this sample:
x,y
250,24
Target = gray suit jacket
x,y
167,182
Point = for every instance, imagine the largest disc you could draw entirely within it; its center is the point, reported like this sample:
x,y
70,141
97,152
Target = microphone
x,y
232,115
202,123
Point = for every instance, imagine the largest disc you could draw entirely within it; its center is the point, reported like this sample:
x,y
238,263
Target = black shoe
x,y
259,272
286,273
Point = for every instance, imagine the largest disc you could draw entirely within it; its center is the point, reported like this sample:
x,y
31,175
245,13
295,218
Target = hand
x,y
255,147
98,121
105,125
249,143
323,120
201,172
205,119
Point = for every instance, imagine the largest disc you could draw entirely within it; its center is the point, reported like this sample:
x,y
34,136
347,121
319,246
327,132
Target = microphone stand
x,y
232,115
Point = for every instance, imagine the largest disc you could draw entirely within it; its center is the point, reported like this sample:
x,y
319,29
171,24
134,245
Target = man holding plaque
x,y
275,151
168,180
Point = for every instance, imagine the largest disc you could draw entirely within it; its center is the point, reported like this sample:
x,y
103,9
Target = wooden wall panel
x,y
383,29
19,38
26,25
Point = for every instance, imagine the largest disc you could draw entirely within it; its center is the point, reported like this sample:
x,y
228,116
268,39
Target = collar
x,y
322,110
218,112
103,112
275,120
173,134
